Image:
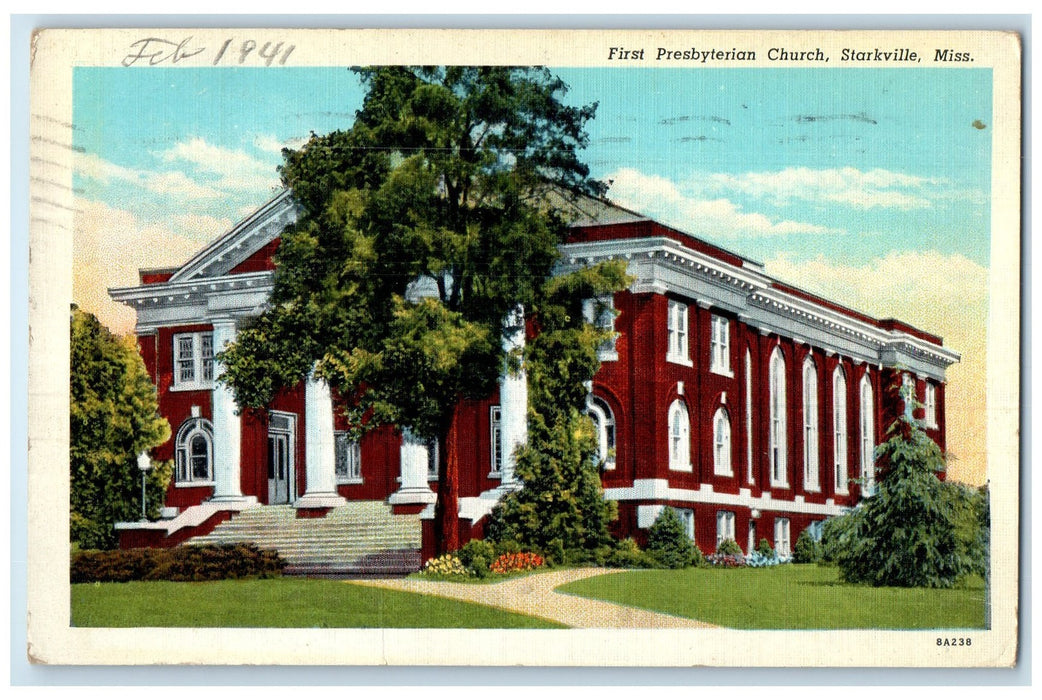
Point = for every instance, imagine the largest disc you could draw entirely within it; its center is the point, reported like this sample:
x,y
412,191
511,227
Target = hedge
x,y
184,563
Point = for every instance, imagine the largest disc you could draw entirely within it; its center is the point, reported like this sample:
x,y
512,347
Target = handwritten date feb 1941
x,y
154,51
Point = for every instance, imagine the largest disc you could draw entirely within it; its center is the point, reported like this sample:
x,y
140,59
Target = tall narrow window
x,y
679,437
433,456
348,459
600,313
930,406
604,424
721,443
778,437
677,327
908,395
839,428
496,440
782,537
749,417
811,481
720,346
868,439
193,361
193,455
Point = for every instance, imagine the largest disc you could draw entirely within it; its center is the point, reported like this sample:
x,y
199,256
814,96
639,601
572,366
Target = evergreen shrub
x,y
668,542
765,548
808,550
729,547
477,556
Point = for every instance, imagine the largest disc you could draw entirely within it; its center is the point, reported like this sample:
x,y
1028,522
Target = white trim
x,y
660,490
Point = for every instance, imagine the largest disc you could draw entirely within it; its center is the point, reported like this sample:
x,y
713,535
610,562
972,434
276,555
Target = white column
x,y
227,430
319,448
415,487
513,396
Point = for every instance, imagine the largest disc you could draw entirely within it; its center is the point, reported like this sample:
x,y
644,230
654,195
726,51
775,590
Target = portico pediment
x,y
243,240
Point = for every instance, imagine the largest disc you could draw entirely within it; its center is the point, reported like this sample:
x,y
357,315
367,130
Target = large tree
x,y
916,530
420,230
114,416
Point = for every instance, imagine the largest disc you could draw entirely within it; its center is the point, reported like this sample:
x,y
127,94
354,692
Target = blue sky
x,y
847,163
870,186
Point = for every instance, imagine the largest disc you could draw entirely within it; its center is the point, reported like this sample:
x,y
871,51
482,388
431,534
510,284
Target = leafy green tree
x,y
807,550
906,534
420,229
114,416
668,543
561,507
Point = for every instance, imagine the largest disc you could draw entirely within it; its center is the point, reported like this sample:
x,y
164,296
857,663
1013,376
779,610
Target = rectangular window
x,y
676,324
193,360
724,526
930,406
600,313
781,537
687,520
496,440
348,459
720,346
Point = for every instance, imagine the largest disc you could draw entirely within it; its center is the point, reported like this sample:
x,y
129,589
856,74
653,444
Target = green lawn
x,y
799,596
278,602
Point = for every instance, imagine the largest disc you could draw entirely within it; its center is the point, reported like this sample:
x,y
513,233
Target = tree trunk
x,y
446,512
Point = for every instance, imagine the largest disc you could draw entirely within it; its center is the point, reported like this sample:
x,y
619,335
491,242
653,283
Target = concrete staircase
x,y
361,538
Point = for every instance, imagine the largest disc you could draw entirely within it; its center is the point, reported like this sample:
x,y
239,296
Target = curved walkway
x,y
535,595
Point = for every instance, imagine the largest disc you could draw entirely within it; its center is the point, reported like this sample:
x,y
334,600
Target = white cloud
x,y
860,189
236,170
711,216
270,144
942,294
169,183
177,185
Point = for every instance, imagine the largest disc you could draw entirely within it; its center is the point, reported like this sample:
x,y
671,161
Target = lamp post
x,y
144,463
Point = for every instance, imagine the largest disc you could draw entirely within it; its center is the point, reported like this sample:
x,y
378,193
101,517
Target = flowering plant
x,y
445,565
517,561
729,561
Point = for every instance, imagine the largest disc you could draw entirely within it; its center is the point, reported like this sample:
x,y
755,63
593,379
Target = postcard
x,y
537,348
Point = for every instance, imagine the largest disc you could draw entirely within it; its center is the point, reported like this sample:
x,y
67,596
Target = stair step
x,y
359,538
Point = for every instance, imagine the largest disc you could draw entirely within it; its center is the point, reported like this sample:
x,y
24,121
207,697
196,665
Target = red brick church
x,y
748,405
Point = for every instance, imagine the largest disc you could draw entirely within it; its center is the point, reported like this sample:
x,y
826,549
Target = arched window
x,y
679,437
721,443
868,437
604,423
839,428
810,426
779,475
193,453
749,416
